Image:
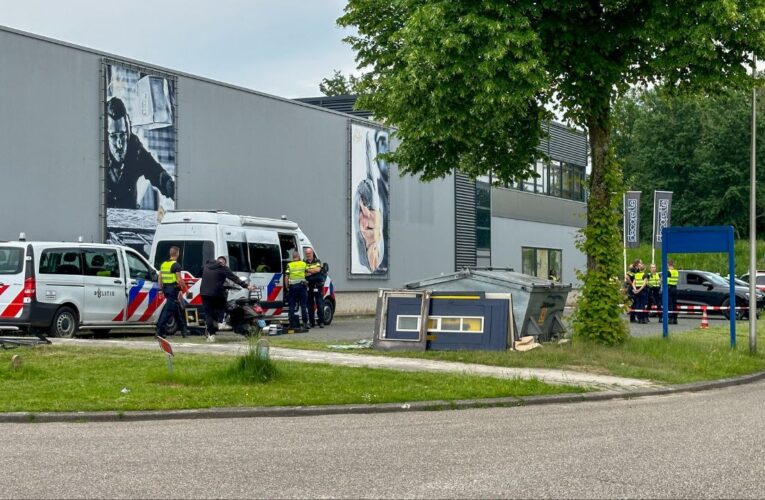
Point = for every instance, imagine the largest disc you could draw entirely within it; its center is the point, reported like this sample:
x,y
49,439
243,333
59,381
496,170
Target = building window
x,y
563,180
482,216
544,263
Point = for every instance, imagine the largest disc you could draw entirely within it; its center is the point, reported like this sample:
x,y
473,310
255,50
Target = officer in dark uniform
x,y
172,286
315,276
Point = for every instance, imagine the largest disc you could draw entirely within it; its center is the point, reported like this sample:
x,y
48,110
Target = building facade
x,y
75,121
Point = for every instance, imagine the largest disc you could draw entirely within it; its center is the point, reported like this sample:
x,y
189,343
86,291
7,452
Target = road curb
x,y
308,411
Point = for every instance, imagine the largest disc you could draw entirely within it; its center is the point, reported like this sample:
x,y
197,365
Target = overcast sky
x,y
282,47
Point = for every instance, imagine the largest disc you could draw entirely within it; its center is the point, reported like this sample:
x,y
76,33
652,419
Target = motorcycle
x,y
245,315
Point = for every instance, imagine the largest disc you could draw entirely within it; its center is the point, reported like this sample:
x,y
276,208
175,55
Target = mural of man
x,y
128,161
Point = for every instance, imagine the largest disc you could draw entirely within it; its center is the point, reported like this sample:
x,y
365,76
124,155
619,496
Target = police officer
x,y
315,280
298,296
172,286
628,284
672,279
640,291
654,289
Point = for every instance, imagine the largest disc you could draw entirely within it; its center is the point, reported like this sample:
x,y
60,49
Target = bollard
x,y
262,349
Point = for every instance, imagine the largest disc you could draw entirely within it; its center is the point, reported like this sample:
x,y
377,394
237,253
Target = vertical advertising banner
x,y
632,219
140,153
662,214
370,183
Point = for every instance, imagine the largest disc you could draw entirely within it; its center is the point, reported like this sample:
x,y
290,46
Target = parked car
x,y
760,283
699,288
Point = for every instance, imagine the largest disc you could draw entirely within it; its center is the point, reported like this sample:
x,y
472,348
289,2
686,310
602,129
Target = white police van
x,y
60,287
258,249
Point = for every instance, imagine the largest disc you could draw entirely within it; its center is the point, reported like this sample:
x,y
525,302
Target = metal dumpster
x,y
538,303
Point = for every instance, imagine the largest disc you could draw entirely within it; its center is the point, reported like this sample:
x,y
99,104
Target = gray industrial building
x,y
235,149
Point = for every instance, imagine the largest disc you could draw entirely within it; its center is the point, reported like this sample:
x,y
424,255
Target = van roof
x,y
24,243
225,218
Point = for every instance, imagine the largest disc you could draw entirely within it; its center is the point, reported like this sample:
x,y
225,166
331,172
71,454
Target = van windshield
x,y
11,260
194,254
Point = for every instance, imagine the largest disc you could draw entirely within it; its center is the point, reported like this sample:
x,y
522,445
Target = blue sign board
x,y
709,239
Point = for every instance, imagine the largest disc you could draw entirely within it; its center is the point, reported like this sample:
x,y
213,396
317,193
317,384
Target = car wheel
x,y
64,323
329,312
740,314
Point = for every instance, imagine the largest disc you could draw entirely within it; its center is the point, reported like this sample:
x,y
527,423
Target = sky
x,y
281,47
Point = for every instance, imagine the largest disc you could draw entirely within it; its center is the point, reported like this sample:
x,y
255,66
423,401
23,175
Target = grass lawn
x,y
62,378
691,356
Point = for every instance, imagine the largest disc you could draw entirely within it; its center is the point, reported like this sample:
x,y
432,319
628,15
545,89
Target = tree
x,y
339,84
697,146
466,82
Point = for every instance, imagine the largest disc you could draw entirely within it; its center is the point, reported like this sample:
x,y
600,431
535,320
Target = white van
x,y
62,287
258,250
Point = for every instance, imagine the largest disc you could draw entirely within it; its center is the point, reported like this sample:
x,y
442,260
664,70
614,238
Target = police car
x,y
60,288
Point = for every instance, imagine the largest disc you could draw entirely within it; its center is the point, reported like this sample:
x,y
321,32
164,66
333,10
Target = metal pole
x,y
753,222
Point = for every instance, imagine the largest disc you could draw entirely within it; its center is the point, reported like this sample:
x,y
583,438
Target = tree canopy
x,y
697,146
468,82
339,84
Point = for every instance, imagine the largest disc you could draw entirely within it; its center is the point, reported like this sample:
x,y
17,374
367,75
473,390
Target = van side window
x,y
137,268
101,262
237,257
61,261
194,254
11,260
264,258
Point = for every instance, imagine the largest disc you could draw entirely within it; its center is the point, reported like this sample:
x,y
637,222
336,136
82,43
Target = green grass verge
x,y
62,378
692,356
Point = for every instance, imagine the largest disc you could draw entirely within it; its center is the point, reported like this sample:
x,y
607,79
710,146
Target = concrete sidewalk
x,y
391,363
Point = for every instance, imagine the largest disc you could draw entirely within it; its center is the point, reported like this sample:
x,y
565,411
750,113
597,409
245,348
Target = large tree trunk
x,y
600,193
598,315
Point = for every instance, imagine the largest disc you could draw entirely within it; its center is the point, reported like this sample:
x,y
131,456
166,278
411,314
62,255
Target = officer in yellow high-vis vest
x,y
298,293
654,288
672,279
172,285
640,291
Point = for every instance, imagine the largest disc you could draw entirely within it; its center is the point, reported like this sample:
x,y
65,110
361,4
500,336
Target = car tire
x,y
329,312
726,312
65,323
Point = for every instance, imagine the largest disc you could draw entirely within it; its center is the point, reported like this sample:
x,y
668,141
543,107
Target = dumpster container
x,y
538,303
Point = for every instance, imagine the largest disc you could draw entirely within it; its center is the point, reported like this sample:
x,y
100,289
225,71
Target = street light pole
x,y
753,222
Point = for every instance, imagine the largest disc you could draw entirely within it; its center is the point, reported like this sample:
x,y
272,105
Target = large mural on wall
x,y
370,201
140,153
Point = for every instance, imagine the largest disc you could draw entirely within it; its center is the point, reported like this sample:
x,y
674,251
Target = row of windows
x,y
101,262
464,324
556,178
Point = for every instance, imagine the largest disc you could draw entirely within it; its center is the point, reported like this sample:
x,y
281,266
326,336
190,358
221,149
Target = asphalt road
x,y
692,445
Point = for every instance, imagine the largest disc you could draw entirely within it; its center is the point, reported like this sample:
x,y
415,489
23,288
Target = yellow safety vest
x,y
167,277
296,271
672,278
639,277
654,280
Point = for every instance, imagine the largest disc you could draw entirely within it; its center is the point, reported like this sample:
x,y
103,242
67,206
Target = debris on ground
x,y
359,344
